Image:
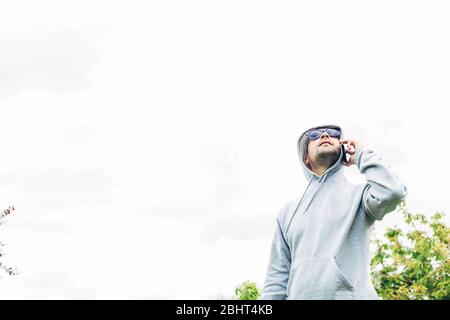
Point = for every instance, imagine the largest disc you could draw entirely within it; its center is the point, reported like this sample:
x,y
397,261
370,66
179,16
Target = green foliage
x,y
247,291
413,262
4,268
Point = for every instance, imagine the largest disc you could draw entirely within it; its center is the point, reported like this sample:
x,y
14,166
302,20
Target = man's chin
x,y
327,152
328,156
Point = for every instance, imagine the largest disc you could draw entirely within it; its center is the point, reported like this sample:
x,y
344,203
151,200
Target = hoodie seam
x,y
298,204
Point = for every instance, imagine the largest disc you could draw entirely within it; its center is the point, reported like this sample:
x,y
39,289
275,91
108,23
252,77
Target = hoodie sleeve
x,y
384,190
277,276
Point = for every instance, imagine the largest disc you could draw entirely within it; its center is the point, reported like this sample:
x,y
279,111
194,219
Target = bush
x,y
413,262
247,291
4,268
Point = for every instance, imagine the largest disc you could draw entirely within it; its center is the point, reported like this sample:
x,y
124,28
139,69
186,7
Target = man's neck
x,y
319,170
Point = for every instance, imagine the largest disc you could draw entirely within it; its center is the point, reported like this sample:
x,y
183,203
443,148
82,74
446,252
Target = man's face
x,y
323,151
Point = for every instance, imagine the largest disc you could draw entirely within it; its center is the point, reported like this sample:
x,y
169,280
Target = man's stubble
x,y
326,158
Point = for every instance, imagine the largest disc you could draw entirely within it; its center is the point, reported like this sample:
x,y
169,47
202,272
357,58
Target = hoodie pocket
x,y
318,278
342,277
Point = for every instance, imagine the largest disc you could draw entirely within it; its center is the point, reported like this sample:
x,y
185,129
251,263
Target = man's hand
x,y
352,145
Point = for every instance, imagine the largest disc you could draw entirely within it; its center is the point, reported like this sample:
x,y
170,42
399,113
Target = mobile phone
x,y
346,156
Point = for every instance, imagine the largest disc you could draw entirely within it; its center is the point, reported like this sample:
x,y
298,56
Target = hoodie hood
x,y
302,144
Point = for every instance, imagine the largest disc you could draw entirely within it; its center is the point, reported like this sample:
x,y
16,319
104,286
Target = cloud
x,y
56,189
238,226
56,60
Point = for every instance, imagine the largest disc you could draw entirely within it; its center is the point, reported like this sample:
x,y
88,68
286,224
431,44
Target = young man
x,y
320,249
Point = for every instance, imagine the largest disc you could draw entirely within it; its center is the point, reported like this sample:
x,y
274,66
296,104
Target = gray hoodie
x,y
320,247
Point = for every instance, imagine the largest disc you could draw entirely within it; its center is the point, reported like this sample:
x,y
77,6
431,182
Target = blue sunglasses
x,y
317,133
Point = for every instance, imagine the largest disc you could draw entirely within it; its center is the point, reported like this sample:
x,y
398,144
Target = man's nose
x,y
324,134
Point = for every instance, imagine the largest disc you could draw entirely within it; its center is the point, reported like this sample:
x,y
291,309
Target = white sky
x,y
148,146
